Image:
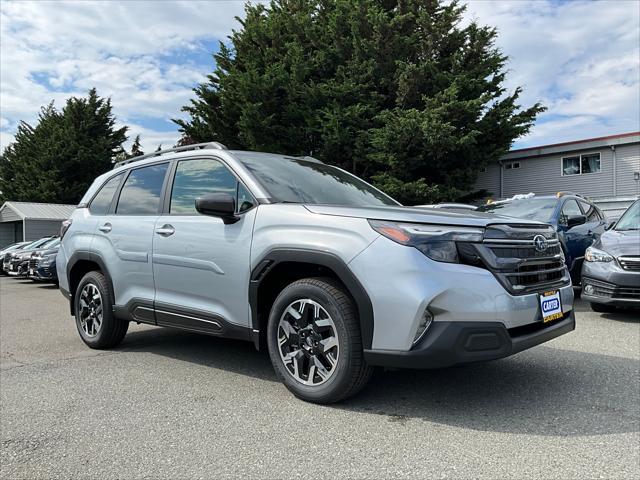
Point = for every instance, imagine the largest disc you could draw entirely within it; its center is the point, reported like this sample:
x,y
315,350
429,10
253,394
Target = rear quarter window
x,y
102,201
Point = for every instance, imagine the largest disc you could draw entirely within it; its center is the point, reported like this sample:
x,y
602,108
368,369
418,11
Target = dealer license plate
x,y
551,305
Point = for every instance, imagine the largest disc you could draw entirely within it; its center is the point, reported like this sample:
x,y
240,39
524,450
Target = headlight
x,y
595,255
438,242
48,258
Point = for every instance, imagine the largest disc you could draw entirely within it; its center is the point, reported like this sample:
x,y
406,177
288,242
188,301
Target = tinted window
x,y
540,209
301,181
630,219
569,209
102,201
591,212
245,199
141,192
195,178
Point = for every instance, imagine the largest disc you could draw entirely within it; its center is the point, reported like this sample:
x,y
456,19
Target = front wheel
x,y
97,325
315,343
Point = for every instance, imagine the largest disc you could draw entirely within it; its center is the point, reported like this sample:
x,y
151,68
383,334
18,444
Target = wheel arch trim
x,y
315,257
94,257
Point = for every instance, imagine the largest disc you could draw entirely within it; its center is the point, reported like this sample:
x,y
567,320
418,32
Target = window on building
x,y
581,164
511,165
102,201
140,194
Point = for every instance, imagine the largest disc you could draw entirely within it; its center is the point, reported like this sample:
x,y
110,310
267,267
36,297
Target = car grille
x,y
33,262
609,290
630,263
521,266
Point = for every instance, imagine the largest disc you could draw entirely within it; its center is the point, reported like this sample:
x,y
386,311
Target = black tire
x,y
351,373
602,308
112,330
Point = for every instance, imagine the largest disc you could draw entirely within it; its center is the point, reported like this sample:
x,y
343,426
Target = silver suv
x,y
329,274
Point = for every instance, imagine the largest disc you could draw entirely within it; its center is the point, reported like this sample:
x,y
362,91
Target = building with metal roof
x,y
29,221
606,169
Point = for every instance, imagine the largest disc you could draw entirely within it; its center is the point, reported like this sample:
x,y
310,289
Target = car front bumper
x,y
457,343
403,284
609,284
45,272
18,268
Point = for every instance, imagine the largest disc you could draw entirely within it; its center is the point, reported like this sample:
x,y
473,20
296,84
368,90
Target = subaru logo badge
x,y
540,243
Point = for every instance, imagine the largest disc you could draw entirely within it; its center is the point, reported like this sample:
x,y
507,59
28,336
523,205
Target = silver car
x,y
611,270
329,274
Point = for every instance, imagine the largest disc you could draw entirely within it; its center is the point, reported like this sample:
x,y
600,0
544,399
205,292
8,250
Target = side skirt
x,y
173,316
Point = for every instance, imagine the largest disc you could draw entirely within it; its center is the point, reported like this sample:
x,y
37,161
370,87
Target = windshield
x,y
38,243
540,209
55,242
292,180
630,220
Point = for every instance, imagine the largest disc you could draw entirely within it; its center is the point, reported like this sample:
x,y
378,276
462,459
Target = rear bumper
x,y
455,343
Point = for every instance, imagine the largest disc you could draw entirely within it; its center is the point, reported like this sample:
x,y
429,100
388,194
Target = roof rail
x,y
184,148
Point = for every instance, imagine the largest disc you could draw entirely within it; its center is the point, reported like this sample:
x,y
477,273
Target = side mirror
x,y
575,220
220,205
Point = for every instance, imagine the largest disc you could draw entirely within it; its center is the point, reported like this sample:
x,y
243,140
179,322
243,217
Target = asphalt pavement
x,y
169,404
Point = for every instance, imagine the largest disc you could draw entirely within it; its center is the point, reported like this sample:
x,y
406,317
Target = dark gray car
x,y
611,271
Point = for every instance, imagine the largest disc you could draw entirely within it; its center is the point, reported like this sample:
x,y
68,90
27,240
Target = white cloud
x,y
579,58
137,53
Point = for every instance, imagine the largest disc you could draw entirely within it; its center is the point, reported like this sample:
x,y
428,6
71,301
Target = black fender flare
x,y
314,257
94,257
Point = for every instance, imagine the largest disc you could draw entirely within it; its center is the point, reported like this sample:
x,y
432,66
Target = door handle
x,y
106,228
166,230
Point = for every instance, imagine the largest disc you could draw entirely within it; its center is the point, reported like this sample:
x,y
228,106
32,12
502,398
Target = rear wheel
x,y
602,308
315,343
95,321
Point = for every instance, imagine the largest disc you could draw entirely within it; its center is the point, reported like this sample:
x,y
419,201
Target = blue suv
x,y
576,219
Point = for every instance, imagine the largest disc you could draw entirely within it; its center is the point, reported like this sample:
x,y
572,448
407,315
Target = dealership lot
x,y
174,404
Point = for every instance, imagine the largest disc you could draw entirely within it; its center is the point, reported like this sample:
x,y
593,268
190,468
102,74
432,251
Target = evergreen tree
x,y
136,148
57,159
396,91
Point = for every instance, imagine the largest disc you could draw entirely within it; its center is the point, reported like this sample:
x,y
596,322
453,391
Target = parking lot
x,y
169,404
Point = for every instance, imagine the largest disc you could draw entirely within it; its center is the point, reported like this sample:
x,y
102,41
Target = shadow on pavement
x,y
543,391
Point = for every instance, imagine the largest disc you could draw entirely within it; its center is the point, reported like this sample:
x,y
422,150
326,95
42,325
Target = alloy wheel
x,y
91,313
308,342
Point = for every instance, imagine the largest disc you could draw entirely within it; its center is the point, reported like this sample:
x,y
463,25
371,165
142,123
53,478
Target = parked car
x,y
17,262
611,271
42,263
7,250
328,273
451,206
576,219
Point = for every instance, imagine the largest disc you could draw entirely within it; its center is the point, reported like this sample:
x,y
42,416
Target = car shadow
x,y
543,391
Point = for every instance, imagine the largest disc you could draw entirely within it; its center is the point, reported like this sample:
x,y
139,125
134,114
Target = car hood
x,y
442,216
620,242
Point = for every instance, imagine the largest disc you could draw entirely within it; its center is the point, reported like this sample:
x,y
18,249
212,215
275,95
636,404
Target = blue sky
x,y
581,59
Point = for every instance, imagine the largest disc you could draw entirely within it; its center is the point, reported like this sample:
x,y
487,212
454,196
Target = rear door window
x,y
141,191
